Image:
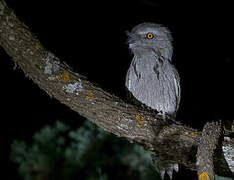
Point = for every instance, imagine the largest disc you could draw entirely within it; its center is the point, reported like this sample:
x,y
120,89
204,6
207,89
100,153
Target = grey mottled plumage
x,y
152,79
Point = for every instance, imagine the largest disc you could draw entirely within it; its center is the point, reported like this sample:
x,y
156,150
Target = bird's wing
x,y
177,87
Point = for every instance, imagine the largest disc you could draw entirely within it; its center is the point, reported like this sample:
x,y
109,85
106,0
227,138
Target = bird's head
x,y
150,38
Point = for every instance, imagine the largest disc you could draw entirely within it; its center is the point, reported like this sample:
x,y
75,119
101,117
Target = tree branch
x,y
206,149
175,140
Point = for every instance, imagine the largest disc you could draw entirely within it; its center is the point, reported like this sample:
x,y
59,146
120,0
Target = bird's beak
x,y
131,38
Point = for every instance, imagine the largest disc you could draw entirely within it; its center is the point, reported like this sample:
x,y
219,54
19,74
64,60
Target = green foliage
x,y
87,153
222,178
41,158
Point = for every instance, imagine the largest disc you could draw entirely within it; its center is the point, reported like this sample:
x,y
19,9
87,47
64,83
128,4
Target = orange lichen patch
x,y
66,77
141,120
38,45
17,30
211,154
56,78
194,133
204,176
90,95
191,133
138,116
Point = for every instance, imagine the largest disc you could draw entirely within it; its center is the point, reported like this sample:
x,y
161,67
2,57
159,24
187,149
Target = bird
x,y
152,79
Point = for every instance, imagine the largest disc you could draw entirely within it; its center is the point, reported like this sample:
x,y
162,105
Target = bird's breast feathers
x,y
154,84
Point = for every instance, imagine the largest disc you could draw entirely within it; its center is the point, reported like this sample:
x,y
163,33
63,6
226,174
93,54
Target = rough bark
x,y
206,149
173,139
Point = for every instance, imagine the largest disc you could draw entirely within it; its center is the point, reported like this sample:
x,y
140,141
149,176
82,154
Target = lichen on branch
x,y
106,110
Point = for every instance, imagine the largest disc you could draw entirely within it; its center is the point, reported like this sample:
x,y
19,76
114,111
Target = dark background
x,y
90,36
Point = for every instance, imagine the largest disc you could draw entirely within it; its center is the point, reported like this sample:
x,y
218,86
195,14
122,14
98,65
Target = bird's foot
x,y
164,115
168,170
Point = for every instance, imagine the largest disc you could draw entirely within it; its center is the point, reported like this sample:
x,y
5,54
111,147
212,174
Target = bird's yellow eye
x,y
149,36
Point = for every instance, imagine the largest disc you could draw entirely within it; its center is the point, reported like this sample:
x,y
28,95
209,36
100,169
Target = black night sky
x,y
90,36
